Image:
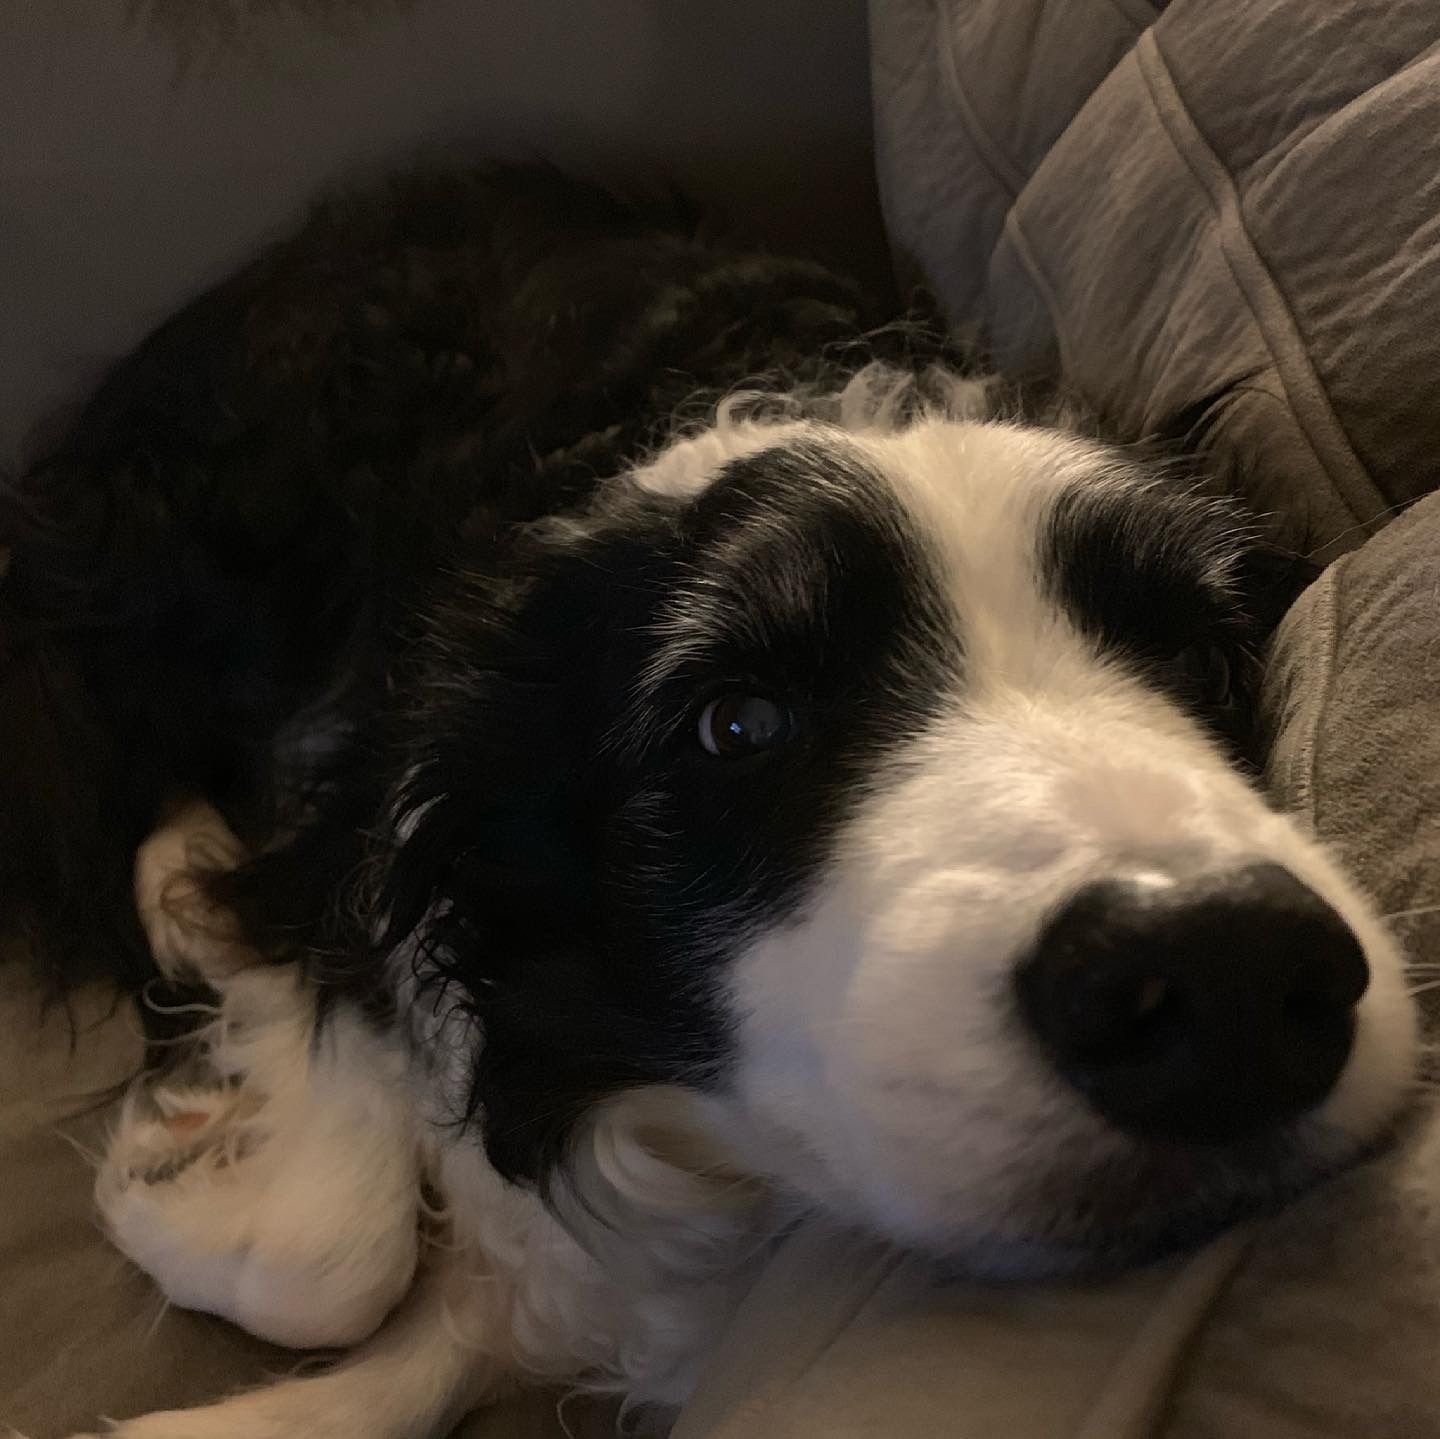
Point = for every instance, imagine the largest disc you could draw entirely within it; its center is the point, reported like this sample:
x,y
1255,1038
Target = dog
x,y
624,751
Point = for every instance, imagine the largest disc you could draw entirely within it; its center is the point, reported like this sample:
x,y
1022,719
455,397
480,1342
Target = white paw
x,y
289,1210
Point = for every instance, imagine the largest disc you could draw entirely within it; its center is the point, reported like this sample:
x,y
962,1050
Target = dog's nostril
x,y
1107,1015
1200,1011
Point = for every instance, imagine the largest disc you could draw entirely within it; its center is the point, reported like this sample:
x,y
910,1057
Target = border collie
x,y
603,826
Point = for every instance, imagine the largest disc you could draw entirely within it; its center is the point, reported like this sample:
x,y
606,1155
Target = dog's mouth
x,y
1161,1200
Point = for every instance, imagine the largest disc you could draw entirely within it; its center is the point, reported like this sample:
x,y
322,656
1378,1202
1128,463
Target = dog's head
x,y
881,787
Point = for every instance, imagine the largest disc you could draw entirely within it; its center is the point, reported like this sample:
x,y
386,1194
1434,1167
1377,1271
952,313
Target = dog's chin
x,y
1083,1200
1139,1208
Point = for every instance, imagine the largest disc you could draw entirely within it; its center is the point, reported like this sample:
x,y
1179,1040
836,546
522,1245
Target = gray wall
x,y
147,146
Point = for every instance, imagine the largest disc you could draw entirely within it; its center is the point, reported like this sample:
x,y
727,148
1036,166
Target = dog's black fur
x,y
244,523
278,560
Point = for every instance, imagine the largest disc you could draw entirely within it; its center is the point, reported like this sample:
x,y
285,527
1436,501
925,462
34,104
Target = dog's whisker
x,y
1365,526
1415,913
91,1157
162,1310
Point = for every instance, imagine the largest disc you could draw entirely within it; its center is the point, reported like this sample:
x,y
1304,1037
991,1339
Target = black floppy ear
x,y
514,681
489,872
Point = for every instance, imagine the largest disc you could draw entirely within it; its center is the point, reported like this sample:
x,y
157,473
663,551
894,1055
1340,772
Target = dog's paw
x,y
282,1219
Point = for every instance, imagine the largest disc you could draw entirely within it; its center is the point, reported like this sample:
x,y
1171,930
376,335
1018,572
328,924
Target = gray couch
x,y
1220,206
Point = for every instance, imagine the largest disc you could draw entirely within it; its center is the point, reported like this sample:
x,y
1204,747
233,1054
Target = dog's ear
x,y
503,703
490,857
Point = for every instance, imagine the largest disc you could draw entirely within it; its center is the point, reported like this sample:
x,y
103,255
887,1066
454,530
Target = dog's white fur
x,y
878,1067
881,1074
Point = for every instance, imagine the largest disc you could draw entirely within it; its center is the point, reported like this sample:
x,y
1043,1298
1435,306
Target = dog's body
x,y
822,806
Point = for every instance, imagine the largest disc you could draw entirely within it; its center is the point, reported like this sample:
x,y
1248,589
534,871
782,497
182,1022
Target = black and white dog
x,y
658,818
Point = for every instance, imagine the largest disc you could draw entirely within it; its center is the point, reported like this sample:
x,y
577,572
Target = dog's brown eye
x,y
739,724
1205,672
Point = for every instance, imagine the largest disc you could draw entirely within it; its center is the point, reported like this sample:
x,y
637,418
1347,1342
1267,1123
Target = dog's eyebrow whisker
x,y
1362,525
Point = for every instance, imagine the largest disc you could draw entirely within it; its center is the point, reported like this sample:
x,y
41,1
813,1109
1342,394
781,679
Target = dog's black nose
x,y
1201,1011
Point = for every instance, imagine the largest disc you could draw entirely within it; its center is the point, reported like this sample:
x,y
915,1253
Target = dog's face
x,y
880,788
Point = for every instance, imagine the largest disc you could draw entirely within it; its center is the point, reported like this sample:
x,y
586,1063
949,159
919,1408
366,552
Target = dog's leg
x,y
273,1177
441,1355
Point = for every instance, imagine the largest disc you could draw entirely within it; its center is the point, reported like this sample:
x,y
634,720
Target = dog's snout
x,y
1199,1011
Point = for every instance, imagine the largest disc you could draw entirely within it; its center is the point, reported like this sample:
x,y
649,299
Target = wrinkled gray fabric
x,y
968,99
844,1339
1230,202
1354,705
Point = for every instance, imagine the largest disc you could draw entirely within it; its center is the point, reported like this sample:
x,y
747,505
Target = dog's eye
x,y
739,724
1204,671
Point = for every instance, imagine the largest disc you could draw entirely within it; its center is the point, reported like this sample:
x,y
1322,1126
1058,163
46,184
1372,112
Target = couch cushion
x,y
1352,698
1226,208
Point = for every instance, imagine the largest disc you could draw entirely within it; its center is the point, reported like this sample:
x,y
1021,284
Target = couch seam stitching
x,y
1288,354
1000,167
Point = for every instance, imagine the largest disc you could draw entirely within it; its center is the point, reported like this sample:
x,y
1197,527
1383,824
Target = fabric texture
x,y
1353,697
1223,209
844,1339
